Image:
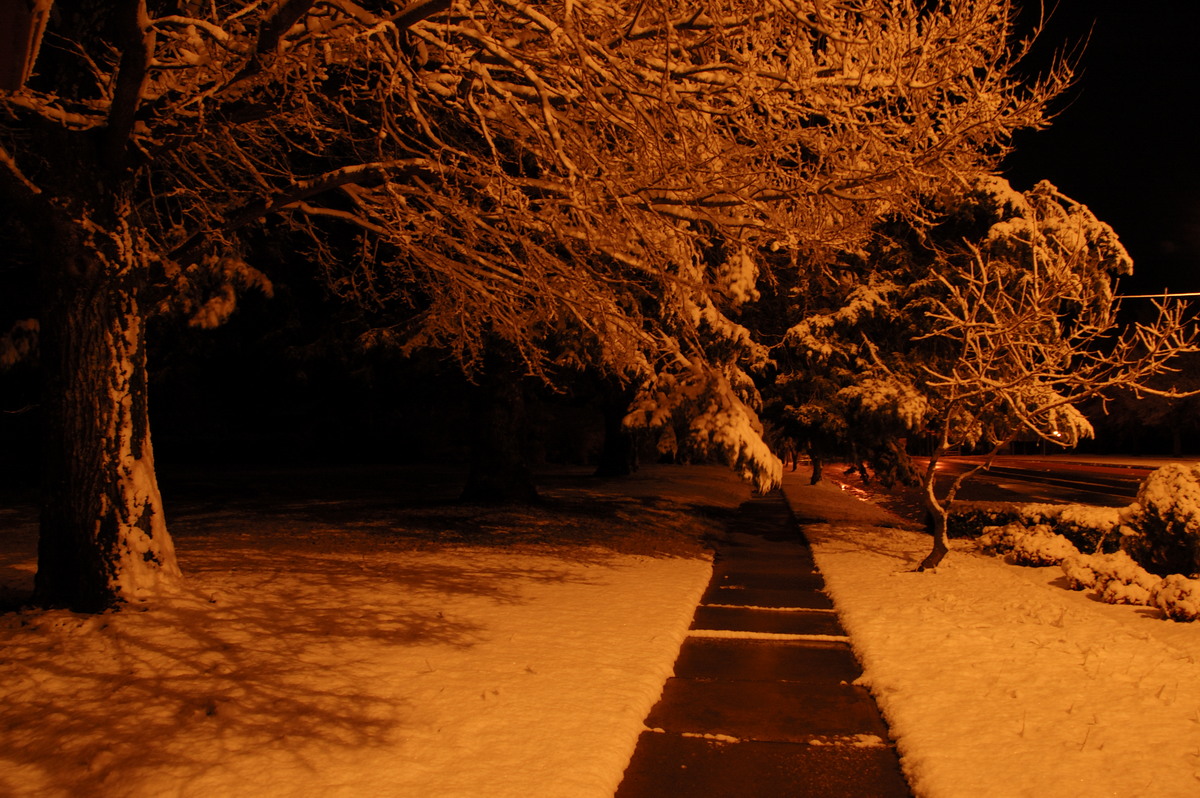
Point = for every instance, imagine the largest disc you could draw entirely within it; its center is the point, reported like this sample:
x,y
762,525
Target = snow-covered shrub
x,y
1166,518
1128,588
1088,528
1117,592
1079,570
1040,548
1117,578
1178,597
971,520
999,540
1036,546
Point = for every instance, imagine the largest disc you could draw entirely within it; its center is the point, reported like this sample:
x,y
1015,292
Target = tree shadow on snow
x,y
274,667
310,603
577,518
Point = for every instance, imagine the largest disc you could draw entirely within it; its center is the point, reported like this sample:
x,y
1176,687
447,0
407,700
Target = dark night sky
x,y
1126,140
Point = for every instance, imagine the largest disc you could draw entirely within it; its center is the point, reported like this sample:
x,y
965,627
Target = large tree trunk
x,y
500,472
103,535
817,462
935,523
618,457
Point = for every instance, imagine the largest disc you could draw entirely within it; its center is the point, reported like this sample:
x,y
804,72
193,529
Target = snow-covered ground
x,y
998,681
349,648
352,646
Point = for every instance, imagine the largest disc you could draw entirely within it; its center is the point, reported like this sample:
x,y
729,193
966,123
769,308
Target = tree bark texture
x,y
103,537
817,467
935,524
618,456
500,472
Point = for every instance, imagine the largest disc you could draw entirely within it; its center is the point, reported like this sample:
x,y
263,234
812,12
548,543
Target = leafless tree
x,y
974,340
470,170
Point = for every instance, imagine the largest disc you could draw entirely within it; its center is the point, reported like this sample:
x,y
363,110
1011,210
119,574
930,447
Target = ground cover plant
x,y
1146,553
995,680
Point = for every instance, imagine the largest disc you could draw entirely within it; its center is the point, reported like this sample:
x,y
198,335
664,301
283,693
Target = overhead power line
x,y
1163,295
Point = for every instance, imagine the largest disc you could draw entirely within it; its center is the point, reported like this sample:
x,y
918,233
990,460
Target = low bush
x,y
999,540
1117,578
1160,530
1178,597
1090,529
1166,517
1041,549
1129,550
1037,546
970,520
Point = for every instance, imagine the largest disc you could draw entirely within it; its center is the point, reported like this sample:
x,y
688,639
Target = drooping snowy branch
x,y
601,183
995,323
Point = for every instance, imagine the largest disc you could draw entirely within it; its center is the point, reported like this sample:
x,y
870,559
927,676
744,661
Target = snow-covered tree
x,y
1152,422
803,398
473,170
610,169
998,320
137,142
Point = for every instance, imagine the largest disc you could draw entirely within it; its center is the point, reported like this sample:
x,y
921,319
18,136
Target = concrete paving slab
x,y
771,621
756,597
769,531
786,558
746,717
733,546
672,766
727,575
766,711
769,660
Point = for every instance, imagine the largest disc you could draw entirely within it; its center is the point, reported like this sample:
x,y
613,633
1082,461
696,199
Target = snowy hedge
x,y
970,520
1146,554
1036,545
1166,517
1115,576
1088,528
1178,597
1160,530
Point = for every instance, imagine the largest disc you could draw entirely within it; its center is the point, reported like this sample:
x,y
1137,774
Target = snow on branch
x,y
191,23
1000,319
600,182
706,410
15,173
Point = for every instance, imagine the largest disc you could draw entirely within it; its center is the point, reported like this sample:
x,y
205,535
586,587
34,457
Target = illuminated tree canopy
x,y
996,322
612,173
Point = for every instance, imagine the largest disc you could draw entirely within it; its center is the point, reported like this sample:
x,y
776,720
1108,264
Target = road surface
x,y
1075,479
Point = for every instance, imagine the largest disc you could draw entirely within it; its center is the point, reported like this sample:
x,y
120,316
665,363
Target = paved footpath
x,y
762,702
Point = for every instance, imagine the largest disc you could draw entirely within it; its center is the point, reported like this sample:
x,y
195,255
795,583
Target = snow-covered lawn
x,y
347,649
352,646
997,680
